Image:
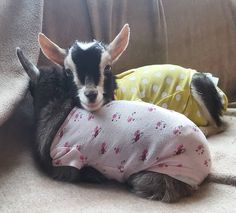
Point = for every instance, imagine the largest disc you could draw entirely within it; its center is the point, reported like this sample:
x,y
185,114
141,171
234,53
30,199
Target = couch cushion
x,y
24,188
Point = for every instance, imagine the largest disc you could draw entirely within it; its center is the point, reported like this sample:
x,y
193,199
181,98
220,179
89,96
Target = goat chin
x,y
92,107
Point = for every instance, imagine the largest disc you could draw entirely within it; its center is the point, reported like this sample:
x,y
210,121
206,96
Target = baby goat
x,y
158,153
90,62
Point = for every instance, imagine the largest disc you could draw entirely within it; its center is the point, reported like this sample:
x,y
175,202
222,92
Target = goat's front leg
x,y
65,173
71,174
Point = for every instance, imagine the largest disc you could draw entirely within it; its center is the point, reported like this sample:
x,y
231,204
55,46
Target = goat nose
x,y
91,95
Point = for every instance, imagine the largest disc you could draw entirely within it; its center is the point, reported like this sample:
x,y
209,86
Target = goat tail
x,y
222,179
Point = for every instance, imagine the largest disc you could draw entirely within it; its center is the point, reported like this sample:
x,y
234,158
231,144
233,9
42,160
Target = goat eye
x,y
108,68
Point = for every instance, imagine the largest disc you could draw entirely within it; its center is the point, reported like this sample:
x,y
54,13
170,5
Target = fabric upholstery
x,y
196,34
20,22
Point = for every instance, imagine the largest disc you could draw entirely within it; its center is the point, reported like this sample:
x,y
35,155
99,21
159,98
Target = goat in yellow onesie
x,y
168,86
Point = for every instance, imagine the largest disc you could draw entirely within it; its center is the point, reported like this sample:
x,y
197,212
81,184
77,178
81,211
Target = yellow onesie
x,y
165,85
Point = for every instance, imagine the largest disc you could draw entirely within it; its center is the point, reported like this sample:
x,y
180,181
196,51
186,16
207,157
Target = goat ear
x,y
52,51
29,67
119,44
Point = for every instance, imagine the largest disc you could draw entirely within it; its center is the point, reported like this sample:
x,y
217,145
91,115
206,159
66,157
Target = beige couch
x,y
197,34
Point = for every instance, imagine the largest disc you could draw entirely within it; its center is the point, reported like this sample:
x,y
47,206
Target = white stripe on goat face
x,y
69,64
88,61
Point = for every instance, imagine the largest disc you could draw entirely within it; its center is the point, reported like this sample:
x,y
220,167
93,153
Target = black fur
x,y
110,85
211,98
54,98
87,62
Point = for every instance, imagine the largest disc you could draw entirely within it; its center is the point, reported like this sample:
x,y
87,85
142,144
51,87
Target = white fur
x,y
69,64
84,45
105,60
84,100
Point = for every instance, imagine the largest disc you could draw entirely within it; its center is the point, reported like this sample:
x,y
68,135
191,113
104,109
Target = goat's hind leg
x,y
213,129
156,186
211,104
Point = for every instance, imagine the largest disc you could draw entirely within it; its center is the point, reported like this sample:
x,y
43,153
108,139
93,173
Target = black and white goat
x,y
90,64
53,92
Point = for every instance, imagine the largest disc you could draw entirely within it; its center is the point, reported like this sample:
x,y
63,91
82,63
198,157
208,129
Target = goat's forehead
x,y
85,45
86,55
87,49
86,59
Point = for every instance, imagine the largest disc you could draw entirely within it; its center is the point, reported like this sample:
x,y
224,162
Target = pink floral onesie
x,y
125,137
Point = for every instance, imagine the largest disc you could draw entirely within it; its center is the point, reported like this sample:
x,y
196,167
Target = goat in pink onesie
x,y
125,137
